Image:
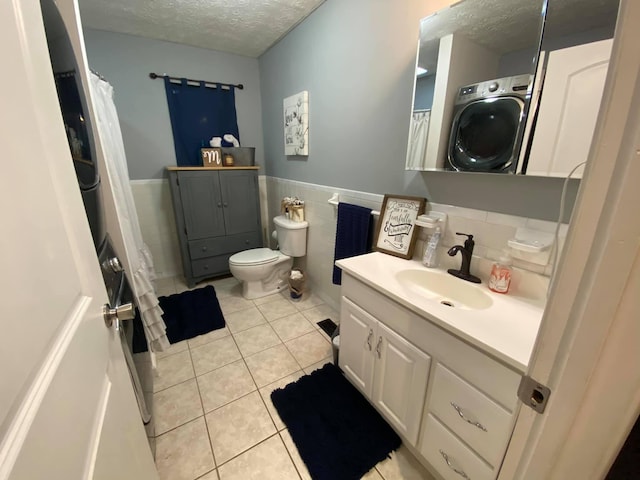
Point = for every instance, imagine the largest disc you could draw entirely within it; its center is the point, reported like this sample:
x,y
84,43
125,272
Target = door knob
x,y
126,311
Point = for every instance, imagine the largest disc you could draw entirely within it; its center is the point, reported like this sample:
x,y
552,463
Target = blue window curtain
x,y
199,113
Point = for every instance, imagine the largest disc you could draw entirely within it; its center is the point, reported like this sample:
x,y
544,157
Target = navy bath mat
x,y
339,435
187,315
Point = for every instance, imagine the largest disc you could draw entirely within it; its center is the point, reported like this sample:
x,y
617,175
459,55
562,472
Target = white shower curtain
x,y
141,264
418,140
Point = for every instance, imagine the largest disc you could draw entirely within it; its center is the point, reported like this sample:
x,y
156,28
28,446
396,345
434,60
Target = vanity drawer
x,y
208,247
211,266
475,418
450,456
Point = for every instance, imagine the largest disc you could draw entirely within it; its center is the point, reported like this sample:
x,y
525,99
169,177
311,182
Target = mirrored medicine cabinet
x,y
509,86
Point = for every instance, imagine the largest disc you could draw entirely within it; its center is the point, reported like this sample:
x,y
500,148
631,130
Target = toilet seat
x,y
254,256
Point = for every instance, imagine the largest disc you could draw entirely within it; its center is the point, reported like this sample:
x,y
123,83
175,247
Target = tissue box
x,y
242,156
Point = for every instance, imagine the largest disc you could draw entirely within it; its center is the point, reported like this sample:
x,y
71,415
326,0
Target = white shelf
x,y
432,220
531,241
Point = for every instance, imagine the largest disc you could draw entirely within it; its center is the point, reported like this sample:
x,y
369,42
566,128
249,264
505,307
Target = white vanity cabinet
x,y
451,401
388,369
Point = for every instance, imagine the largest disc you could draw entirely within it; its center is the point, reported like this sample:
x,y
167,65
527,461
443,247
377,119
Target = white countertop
x,y
507,329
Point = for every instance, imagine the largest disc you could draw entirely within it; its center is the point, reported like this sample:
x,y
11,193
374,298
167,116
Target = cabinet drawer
x,y
475,418
450,456
208,247
210,266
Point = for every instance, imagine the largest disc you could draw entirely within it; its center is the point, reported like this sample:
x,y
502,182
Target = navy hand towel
x,y
353,234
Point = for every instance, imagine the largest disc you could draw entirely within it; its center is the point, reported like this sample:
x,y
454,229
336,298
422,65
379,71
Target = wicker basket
x,y
294,213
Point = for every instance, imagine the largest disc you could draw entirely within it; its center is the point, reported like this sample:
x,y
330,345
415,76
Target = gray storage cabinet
x,y
217,214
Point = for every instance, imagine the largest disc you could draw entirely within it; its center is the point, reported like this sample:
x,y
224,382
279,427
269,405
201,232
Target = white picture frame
x,y
296,124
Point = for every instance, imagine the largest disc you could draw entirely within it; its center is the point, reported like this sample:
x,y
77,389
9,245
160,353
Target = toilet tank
x,y
292,236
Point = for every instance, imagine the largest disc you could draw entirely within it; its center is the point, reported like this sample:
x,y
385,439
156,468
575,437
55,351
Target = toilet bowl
x,y
263,271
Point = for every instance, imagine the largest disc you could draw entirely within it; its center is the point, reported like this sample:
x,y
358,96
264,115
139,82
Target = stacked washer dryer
x,y
488,124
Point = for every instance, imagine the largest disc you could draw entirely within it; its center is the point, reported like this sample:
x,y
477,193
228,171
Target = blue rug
x,y
187,315
339,435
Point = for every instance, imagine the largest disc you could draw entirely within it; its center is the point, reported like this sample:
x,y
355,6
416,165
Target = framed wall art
x,y
396,230
296,124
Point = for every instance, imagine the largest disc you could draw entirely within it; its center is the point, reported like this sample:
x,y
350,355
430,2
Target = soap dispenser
x,y
430,256
500,278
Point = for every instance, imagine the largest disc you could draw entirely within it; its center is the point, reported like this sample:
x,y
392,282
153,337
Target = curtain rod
x,y
153,76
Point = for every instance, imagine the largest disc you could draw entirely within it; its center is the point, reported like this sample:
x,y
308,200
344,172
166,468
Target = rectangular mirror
x,y
574,60
496,91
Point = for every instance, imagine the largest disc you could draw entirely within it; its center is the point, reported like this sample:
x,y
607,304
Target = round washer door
x,y
484,134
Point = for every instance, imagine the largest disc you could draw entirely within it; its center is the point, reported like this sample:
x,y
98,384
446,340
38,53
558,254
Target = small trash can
x,y
296,283
335,345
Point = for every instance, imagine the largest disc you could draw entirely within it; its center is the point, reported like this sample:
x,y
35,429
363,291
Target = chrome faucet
x,y
467,252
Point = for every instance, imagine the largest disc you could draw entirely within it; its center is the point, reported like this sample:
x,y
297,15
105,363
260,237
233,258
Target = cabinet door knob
x,y
219,205
369,337
379,347
458,409
450,465
204,249
225,204
206,267
247,242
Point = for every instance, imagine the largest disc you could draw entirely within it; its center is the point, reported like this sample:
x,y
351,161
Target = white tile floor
x,y
214,416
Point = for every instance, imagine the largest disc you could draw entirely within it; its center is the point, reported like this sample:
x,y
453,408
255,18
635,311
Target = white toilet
x,y
263,271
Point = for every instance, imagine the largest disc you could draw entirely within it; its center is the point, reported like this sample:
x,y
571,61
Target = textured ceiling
x,y
242,27
509,25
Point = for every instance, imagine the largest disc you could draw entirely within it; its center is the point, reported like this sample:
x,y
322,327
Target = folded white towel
x,y
231,139
216,142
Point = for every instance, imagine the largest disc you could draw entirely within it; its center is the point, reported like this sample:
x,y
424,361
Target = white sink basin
x,y
444,288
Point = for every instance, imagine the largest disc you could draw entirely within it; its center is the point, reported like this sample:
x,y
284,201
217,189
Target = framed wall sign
x,y
396,230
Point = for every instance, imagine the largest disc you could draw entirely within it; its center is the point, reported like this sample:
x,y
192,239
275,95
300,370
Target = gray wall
x,y
425,86
357,58
126,60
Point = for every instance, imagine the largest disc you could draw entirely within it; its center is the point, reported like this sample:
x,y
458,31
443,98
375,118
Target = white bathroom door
x,y
67,408
569,106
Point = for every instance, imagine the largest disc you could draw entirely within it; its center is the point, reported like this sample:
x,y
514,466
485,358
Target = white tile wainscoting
x,y
158,225
491,230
